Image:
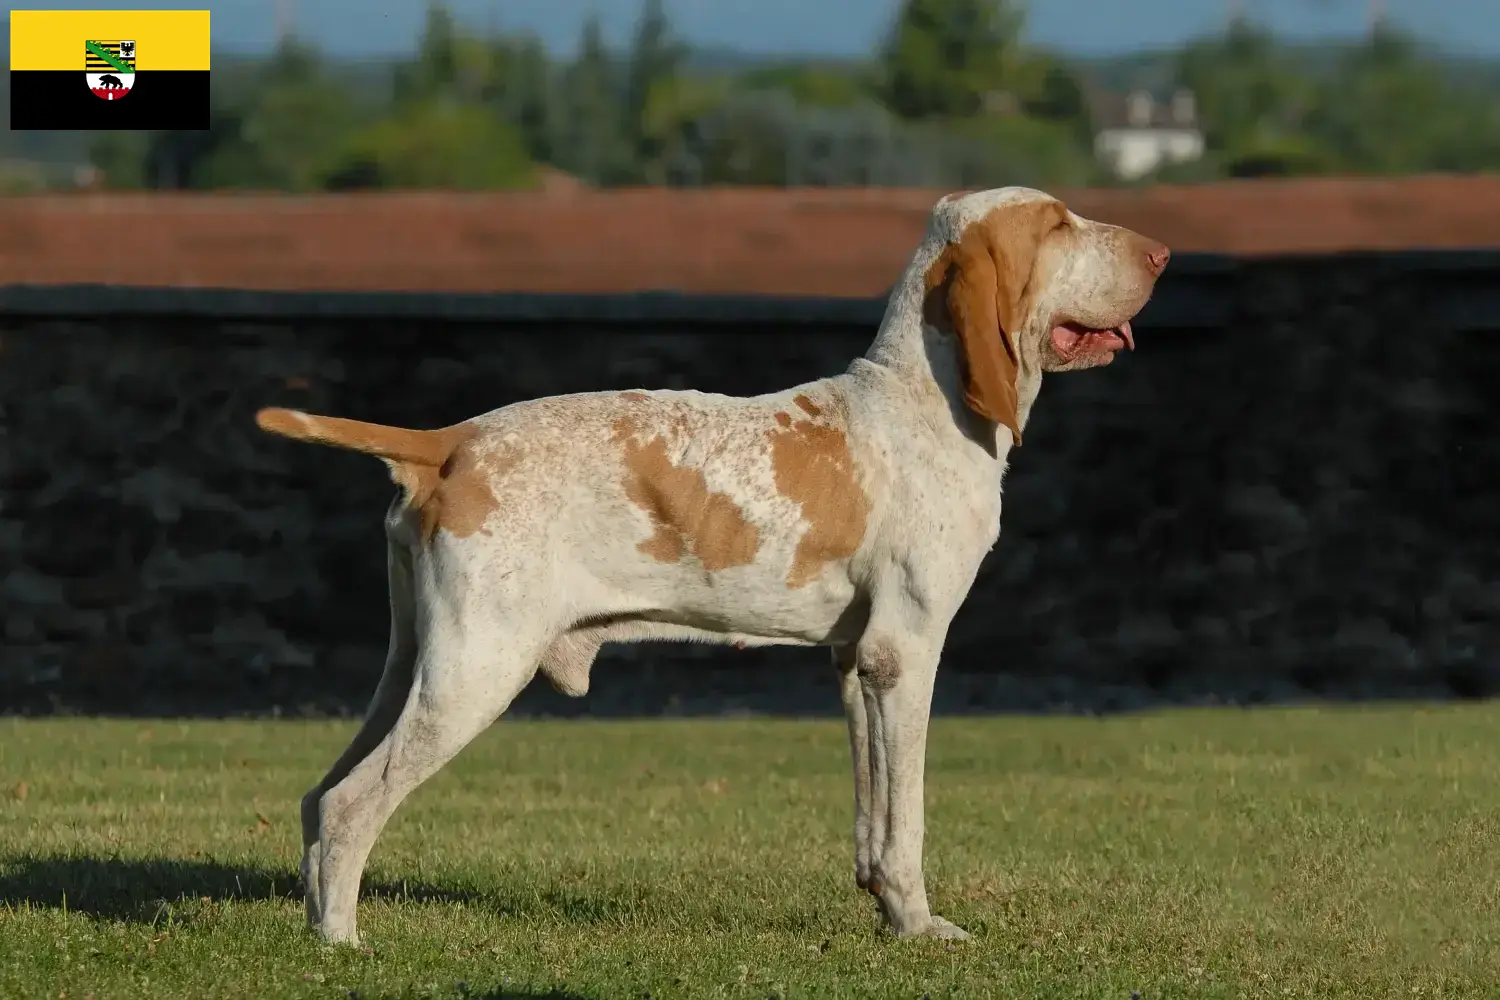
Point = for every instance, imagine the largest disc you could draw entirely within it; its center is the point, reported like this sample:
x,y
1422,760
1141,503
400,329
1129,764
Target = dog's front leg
x,y
897,674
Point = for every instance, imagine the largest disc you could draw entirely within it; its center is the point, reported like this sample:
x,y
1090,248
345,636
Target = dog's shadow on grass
x,y
147,890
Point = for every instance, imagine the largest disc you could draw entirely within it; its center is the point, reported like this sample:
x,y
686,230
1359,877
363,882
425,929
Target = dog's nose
x,y
1158,257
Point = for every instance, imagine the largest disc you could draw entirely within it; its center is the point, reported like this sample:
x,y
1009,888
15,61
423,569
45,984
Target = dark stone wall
x,y
1302,503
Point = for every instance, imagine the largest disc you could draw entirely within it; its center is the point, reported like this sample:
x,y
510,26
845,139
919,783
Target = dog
x,y
851,512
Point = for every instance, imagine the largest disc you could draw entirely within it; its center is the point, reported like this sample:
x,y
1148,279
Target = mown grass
x,y
1278,853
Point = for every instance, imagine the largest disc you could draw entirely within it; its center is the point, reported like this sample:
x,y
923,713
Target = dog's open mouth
x,y
1073,341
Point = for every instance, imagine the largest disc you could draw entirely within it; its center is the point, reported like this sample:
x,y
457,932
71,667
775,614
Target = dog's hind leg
x,y
463,680
385,707
853,695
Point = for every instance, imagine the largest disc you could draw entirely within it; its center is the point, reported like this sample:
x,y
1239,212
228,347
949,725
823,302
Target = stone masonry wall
x,y
1302,504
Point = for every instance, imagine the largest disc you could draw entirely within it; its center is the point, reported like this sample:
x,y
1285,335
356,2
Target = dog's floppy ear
x,y
986,273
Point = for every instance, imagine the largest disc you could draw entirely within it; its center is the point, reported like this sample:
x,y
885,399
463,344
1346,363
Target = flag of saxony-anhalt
x,y
109,69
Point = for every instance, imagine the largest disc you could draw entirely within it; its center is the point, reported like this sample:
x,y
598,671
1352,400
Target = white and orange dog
x,y
851,512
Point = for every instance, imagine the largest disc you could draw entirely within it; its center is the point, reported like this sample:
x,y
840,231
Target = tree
x,y
1390,109
282,133
435,69
591,140
1253,102
943,56
655,61
520,84
1058,94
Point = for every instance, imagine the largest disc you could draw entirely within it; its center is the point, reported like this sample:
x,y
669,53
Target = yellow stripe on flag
x,y
53,39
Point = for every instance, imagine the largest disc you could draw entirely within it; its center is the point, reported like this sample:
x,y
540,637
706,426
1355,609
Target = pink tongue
x,y
1068,340
1065,339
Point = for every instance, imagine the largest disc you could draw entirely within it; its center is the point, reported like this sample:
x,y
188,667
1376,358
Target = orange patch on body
x,y
633,395
687,515
784,419
812,465
807,405
462,496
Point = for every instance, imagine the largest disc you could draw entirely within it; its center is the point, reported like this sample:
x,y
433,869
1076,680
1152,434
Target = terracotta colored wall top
x,y
833,242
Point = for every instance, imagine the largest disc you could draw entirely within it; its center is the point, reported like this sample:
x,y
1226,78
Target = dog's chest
x,y
944,499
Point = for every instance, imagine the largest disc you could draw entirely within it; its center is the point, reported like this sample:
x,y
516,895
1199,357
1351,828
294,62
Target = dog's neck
x,y
928,361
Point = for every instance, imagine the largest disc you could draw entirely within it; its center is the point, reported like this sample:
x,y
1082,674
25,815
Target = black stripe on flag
x,y
160,99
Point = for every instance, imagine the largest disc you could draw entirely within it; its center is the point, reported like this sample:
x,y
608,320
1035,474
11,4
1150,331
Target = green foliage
x,y
667,128
21,178
811,85
448,64
1382,107
764,137
1051,90
1248,92
652,90
282,139
520,88
590,138
953,98
995,152
943,56
433,144
1058,93
1285,155
1390,111
121,158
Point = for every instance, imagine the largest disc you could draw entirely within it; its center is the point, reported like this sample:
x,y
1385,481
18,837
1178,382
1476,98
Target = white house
x,y
1137,134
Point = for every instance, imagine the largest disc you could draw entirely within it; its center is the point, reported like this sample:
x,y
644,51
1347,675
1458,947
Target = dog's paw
x,y
945,930
935,927
346,936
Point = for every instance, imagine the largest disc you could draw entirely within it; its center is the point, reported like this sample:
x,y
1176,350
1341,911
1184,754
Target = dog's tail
x,y
397,445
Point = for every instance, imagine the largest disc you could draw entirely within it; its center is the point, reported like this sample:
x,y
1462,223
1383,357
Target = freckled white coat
x,y
850,512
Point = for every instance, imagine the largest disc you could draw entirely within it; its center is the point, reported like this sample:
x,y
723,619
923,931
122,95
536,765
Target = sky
x,y
818,27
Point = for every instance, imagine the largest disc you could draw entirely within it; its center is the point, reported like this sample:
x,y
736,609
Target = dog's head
x,y
1027,286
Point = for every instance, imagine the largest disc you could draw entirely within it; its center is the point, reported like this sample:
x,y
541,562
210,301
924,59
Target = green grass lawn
x,y
1285,853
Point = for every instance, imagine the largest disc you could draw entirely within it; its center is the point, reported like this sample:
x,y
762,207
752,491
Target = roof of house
x,y
824,242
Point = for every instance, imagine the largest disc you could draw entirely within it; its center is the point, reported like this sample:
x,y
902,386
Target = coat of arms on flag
x,y
109,67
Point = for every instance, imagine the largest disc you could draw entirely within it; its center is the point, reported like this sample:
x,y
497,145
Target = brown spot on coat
x,y
633,395
808,406
812,465
784,419
463,496
687,515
